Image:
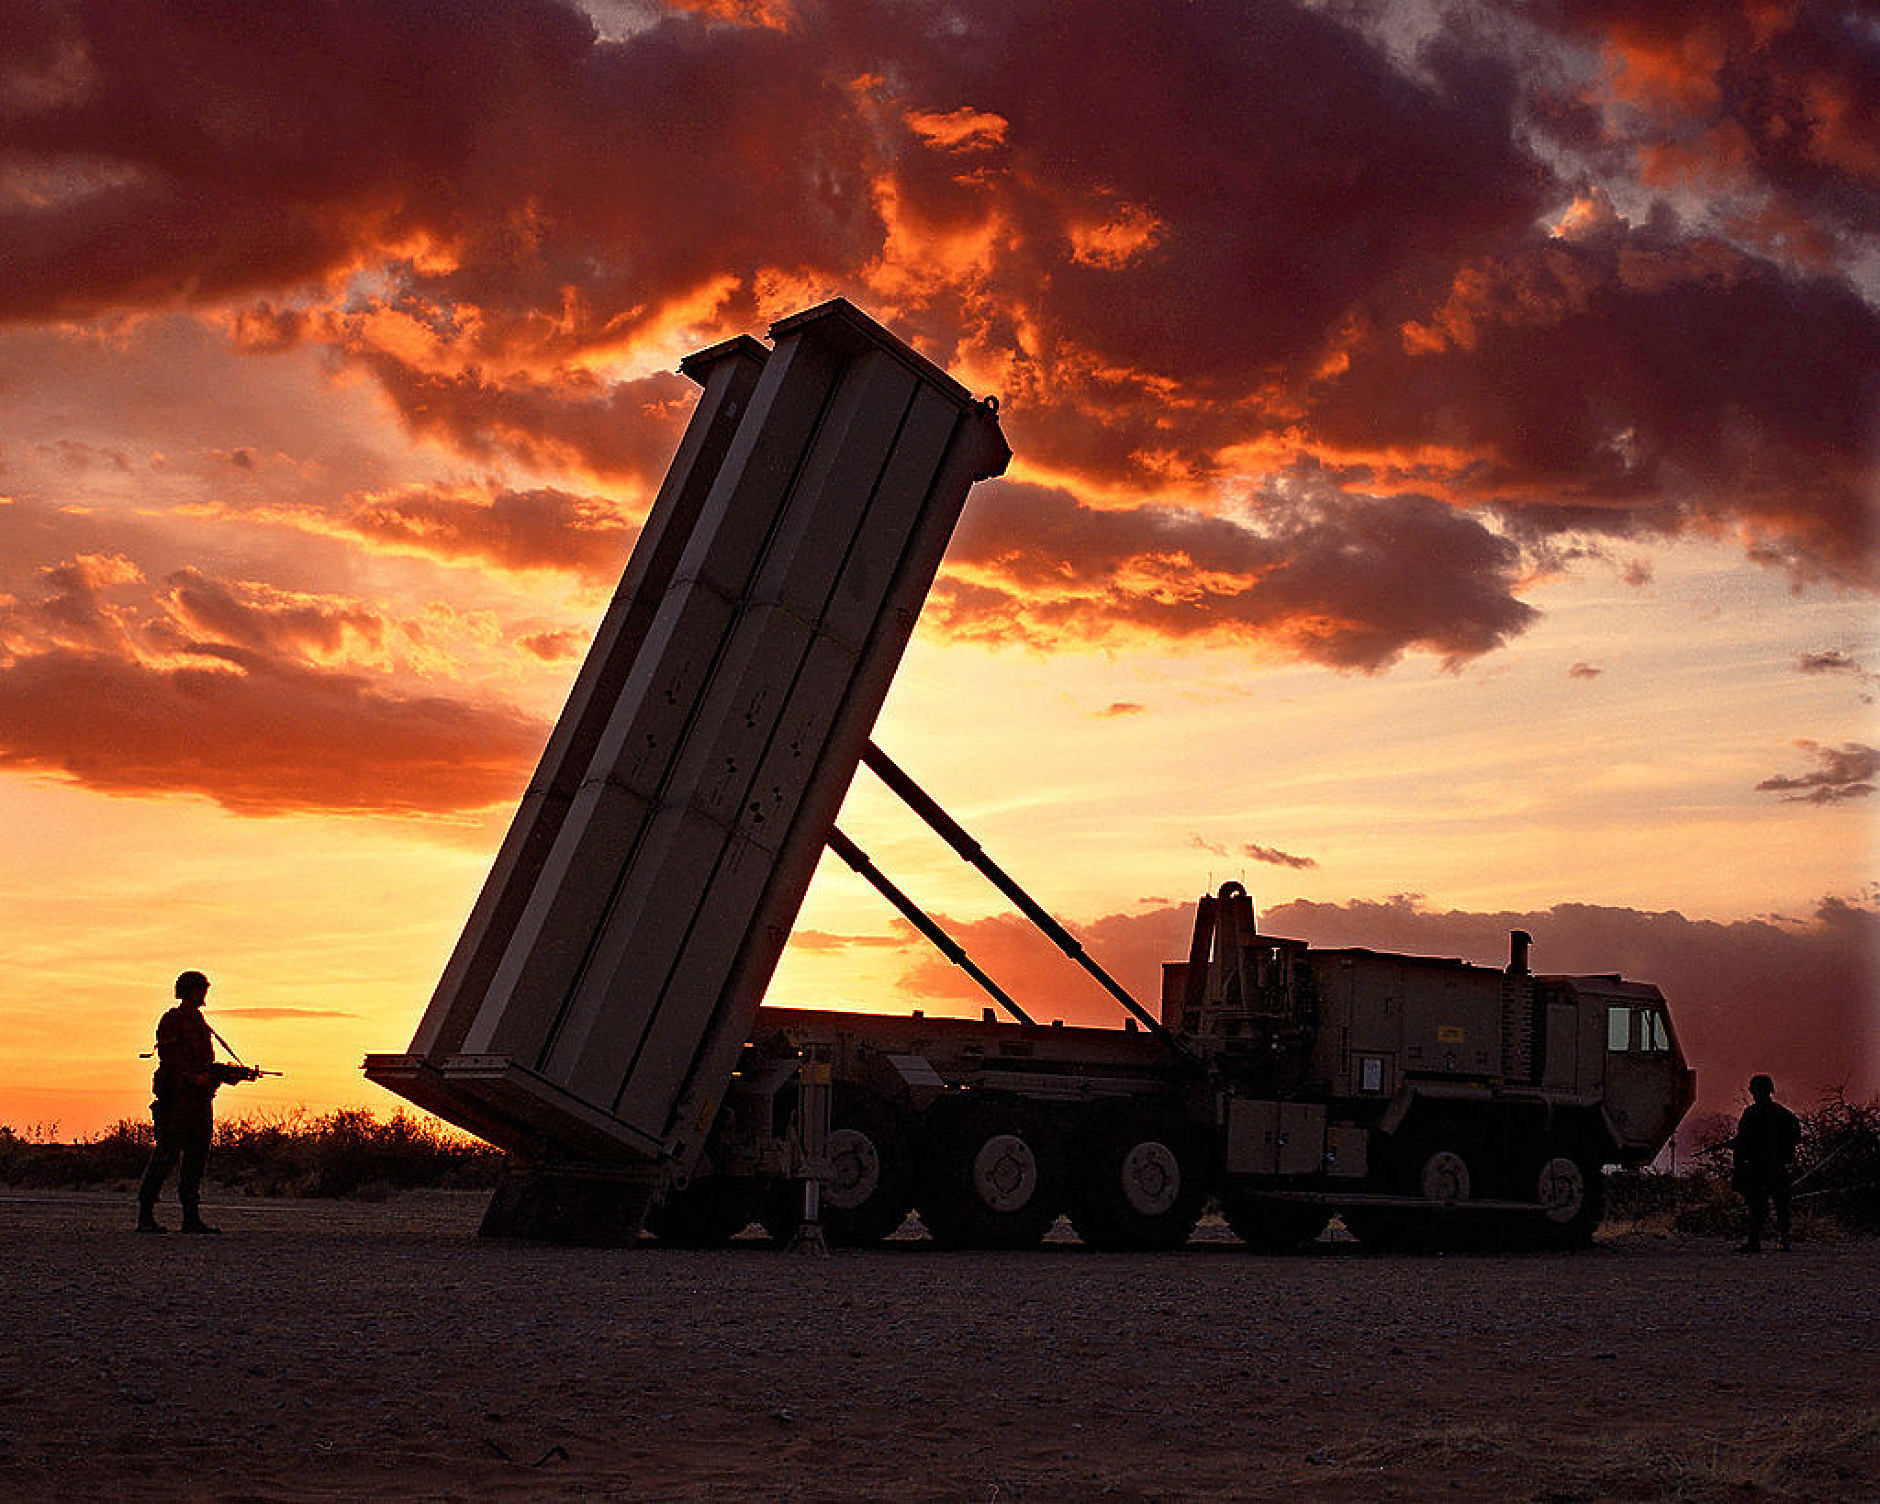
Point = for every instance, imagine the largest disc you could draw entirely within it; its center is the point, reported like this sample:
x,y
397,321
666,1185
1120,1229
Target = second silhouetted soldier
x,y
1766,1139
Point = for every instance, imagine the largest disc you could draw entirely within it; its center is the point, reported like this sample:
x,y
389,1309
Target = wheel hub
x,y
1561,1189
857,1166
1152,1178
1445,1177
1005,1173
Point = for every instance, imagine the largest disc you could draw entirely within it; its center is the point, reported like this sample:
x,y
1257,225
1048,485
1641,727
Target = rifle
x,y
226,1073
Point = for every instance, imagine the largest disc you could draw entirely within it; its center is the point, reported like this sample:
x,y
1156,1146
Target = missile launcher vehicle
x,y
602,1016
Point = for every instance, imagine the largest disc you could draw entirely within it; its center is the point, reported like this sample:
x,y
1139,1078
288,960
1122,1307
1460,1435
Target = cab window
x,y
1654,1032
1651,1037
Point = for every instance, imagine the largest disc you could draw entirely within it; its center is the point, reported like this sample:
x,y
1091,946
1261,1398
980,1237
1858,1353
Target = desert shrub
x,y
1838,1167
348,1152
342,1153
1836,1181
37,1160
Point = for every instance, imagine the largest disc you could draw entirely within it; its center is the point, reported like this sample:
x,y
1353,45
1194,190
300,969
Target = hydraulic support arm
x,y
949,830
912,912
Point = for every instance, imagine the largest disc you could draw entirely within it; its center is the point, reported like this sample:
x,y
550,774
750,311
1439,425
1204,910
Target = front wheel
x,y
1572,1192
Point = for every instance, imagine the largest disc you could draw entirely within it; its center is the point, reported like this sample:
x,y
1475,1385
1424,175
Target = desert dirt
x,y
322,1350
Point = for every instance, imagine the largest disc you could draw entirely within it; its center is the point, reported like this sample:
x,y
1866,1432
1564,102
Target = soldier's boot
x,y
192,1221
147,1218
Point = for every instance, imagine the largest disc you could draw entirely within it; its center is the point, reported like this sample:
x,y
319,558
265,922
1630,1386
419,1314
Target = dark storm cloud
x,y
1783,98
1189,243
200,151
200,686
1842,773
1635,382
1276,166
1349,581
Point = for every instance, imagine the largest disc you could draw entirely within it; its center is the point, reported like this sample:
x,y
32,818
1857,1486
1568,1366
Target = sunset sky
x,y
1447,456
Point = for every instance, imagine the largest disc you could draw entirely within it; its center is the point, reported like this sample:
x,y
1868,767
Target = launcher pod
x,y
595,1006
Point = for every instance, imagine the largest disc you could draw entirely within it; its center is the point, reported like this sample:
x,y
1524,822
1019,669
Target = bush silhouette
x,y
349,1152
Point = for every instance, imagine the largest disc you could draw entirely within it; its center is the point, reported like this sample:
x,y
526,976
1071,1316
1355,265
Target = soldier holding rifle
x,y
188,1075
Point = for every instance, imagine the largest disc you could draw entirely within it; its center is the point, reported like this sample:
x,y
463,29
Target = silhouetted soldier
x,y
1766,1139
185,1084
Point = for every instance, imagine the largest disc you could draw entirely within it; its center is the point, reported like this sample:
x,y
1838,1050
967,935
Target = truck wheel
x,y
872,1188
706,1213
1442,1174
1137,1183
991,1176
873,1185
1272,1226
1434,1165
1572,1194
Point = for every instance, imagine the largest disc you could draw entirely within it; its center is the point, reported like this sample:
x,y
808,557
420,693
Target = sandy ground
x,y
345,1350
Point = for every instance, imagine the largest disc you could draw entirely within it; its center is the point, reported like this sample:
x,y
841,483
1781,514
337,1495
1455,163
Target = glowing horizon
x,y
1444,489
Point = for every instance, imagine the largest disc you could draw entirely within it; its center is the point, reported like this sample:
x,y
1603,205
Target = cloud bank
x,y
1319,330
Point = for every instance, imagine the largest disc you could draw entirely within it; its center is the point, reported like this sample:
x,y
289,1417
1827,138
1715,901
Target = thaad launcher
x,y
610,971
600,1017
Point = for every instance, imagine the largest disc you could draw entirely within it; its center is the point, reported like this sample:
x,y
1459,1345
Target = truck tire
x,y
1435,1163
707,1212
871,1189
1138,1181
873,1186
990,1175
1272,1226
1571,1188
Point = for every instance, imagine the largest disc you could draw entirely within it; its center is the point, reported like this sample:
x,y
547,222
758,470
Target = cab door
x,y
1648,1087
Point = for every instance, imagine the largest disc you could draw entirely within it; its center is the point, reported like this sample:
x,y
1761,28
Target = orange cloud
x,y
1348,581
1193,249
539,529
258,735
1620,383
204,687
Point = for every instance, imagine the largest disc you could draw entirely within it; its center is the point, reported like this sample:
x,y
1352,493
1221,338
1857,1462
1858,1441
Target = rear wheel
x,y
1138,1182
872,1187
990,1177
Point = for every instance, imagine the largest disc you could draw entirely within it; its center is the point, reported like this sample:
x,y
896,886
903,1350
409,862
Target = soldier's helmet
x,y
1761,1086
191,984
